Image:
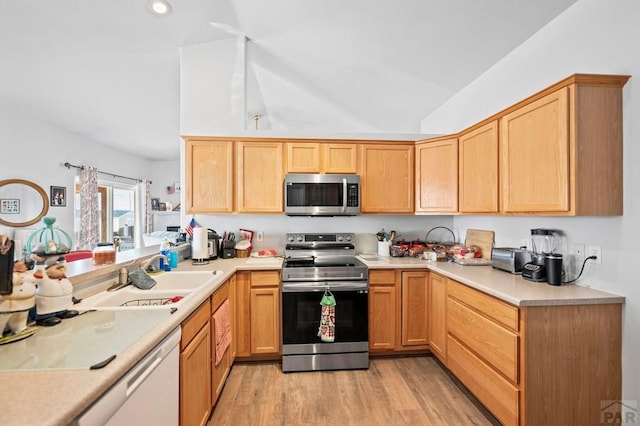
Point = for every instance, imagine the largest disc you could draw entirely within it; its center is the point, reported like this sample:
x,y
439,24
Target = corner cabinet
x,y
209,176
387,178
260,177
561,150
437,176
478,170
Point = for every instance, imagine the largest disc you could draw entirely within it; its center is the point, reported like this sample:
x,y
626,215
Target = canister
x,y
104,253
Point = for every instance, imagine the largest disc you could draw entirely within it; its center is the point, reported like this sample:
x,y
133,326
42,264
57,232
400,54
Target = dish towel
x,y
327,329
222,329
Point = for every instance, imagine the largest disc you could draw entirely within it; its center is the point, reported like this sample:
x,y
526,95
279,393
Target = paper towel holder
x,y
199,248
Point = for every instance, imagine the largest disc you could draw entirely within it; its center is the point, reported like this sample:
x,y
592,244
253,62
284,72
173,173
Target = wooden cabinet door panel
x,y
339,158
495,344
415,306
265,320
243,314
209,176
382,318
534,143
260,177
303,157
495,309
437,177
437,315
195,379
478,192
387,178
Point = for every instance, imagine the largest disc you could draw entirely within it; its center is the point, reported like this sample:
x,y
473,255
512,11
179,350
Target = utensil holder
x,y
383,248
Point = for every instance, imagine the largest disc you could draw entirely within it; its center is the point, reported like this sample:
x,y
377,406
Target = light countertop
x,y
56,397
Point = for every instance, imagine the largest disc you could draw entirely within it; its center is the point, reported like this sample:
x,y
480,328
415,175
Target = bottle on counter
x,y
104,254
165,249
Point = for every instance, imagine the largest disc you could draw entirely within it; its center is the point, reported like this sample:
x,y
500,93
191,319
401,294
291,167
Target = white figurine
x,y
53,291
14,308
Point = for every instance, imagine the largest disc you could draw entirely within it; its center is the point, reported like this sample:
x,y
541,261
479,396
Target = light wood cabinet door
x,y
387,178
220,371
303,157
209,176
243,314
437,315
382,318
233,299
339,158
437,176
478,168
415,309
195,379
265,320
534,144
260,177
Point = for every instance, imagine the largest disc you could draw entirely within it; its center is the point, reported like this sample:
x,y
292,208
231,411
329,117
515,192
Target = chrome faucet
x,y
147,265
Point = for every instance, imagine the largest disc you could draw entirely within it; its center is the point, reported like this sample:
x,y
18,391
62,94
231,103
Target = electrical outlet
x,y
595,251
578,252
260,236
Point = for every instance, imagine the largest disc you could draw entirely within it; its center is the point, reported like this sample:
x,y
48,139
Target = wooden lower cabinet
x,y
220,371
437,315
398,310
258,313
195,368
534,364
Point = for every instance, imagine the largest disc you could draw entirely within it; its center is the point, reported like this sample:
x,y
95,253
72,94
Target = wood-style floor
x,y
394,391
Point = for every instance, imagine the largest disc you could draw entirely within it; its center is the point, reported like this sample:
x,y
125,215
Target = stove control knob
x,y
299,238
348,237
340,238
290,239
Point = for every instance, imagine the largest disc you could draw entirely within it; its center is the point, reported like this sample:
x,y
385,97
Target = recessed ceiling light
x,y
159,7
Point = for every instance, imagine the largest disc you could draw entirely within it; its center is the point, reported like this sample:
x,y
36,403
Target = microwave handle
x,y
344,194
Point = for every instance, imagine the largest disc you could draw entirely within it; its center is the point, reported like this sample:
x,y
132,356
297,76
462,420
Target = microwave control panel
x,y
353,197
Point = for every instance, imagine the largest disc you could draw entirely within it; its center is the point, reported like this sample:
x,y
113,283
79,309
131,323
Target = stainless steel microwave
x,y
321,195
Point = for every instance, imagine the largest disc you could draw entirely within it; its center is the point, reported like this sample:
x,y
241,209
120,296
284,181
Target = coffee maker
x,y
544,242
213,242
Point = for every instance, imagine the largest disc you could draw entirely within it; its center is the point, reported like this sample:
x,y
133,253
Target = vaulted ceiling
x,y
110,71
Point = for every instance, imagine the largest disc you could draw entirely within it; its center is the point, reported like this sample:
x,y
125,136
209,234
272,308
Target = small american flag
x,y
190,226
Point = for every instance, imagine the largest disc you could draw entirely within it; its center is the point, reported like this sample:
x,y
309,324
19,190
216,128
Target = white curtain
x,y
144,222
89,225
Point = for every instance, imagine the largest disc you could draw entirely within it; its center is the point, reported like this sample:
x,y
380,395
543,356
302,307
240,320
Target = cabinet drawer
x,y
497,394
382,276
265,279
495,309
495,344
220,295
194,323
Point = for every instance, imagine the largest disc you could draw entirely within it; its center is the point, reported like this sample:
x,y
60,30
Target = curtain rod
x,y
69,165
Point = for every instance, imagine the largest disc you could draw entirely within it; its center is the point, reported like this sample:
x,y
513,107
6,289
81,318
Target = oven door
x,y
301,311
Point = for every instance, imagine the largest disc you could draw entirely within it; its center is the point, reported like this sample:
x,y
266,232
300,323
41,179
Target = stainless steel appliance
x,y
321,195
315,263
213,244
510,259
543,242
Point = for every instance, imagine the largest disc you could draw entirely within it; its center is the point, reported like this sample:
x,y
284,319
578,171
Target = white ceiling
x,y
109,70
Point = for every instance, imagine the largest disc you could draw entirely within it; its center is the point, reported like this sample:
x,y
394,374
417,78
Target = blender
x,y
543,242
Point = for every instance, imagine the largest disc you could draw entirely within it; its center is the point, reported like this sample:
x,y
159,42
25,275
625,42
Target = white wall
x,y
36,151
592,36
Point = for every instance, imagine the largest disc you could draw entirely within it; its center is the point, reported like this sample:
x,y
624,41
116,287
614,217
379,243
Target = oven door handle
x,y
327,279
289,287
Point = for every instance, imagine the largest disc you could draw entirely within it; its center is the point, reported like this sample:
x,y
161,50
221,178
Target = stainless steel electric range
x,y
317,265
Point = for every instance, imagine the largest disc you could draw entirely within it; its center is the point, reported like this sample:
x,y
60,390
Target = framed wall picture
x,y
10,206
155,203
58,196
162,207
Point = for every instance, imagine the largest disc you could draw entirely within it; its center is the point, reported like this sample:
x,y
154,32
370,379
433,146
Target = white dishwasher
x,y
147,394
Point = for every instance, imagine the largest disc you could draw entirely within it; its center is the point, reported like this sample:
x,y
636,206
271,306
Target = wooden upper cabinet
x,y
308,157
561,150
535,156
260,177
437,176
209,176
387,178
478,170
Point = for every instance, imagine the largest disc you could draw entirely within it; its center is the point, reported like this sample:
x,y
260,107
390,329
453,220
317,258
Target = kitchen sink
x,y
184,280
131,297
